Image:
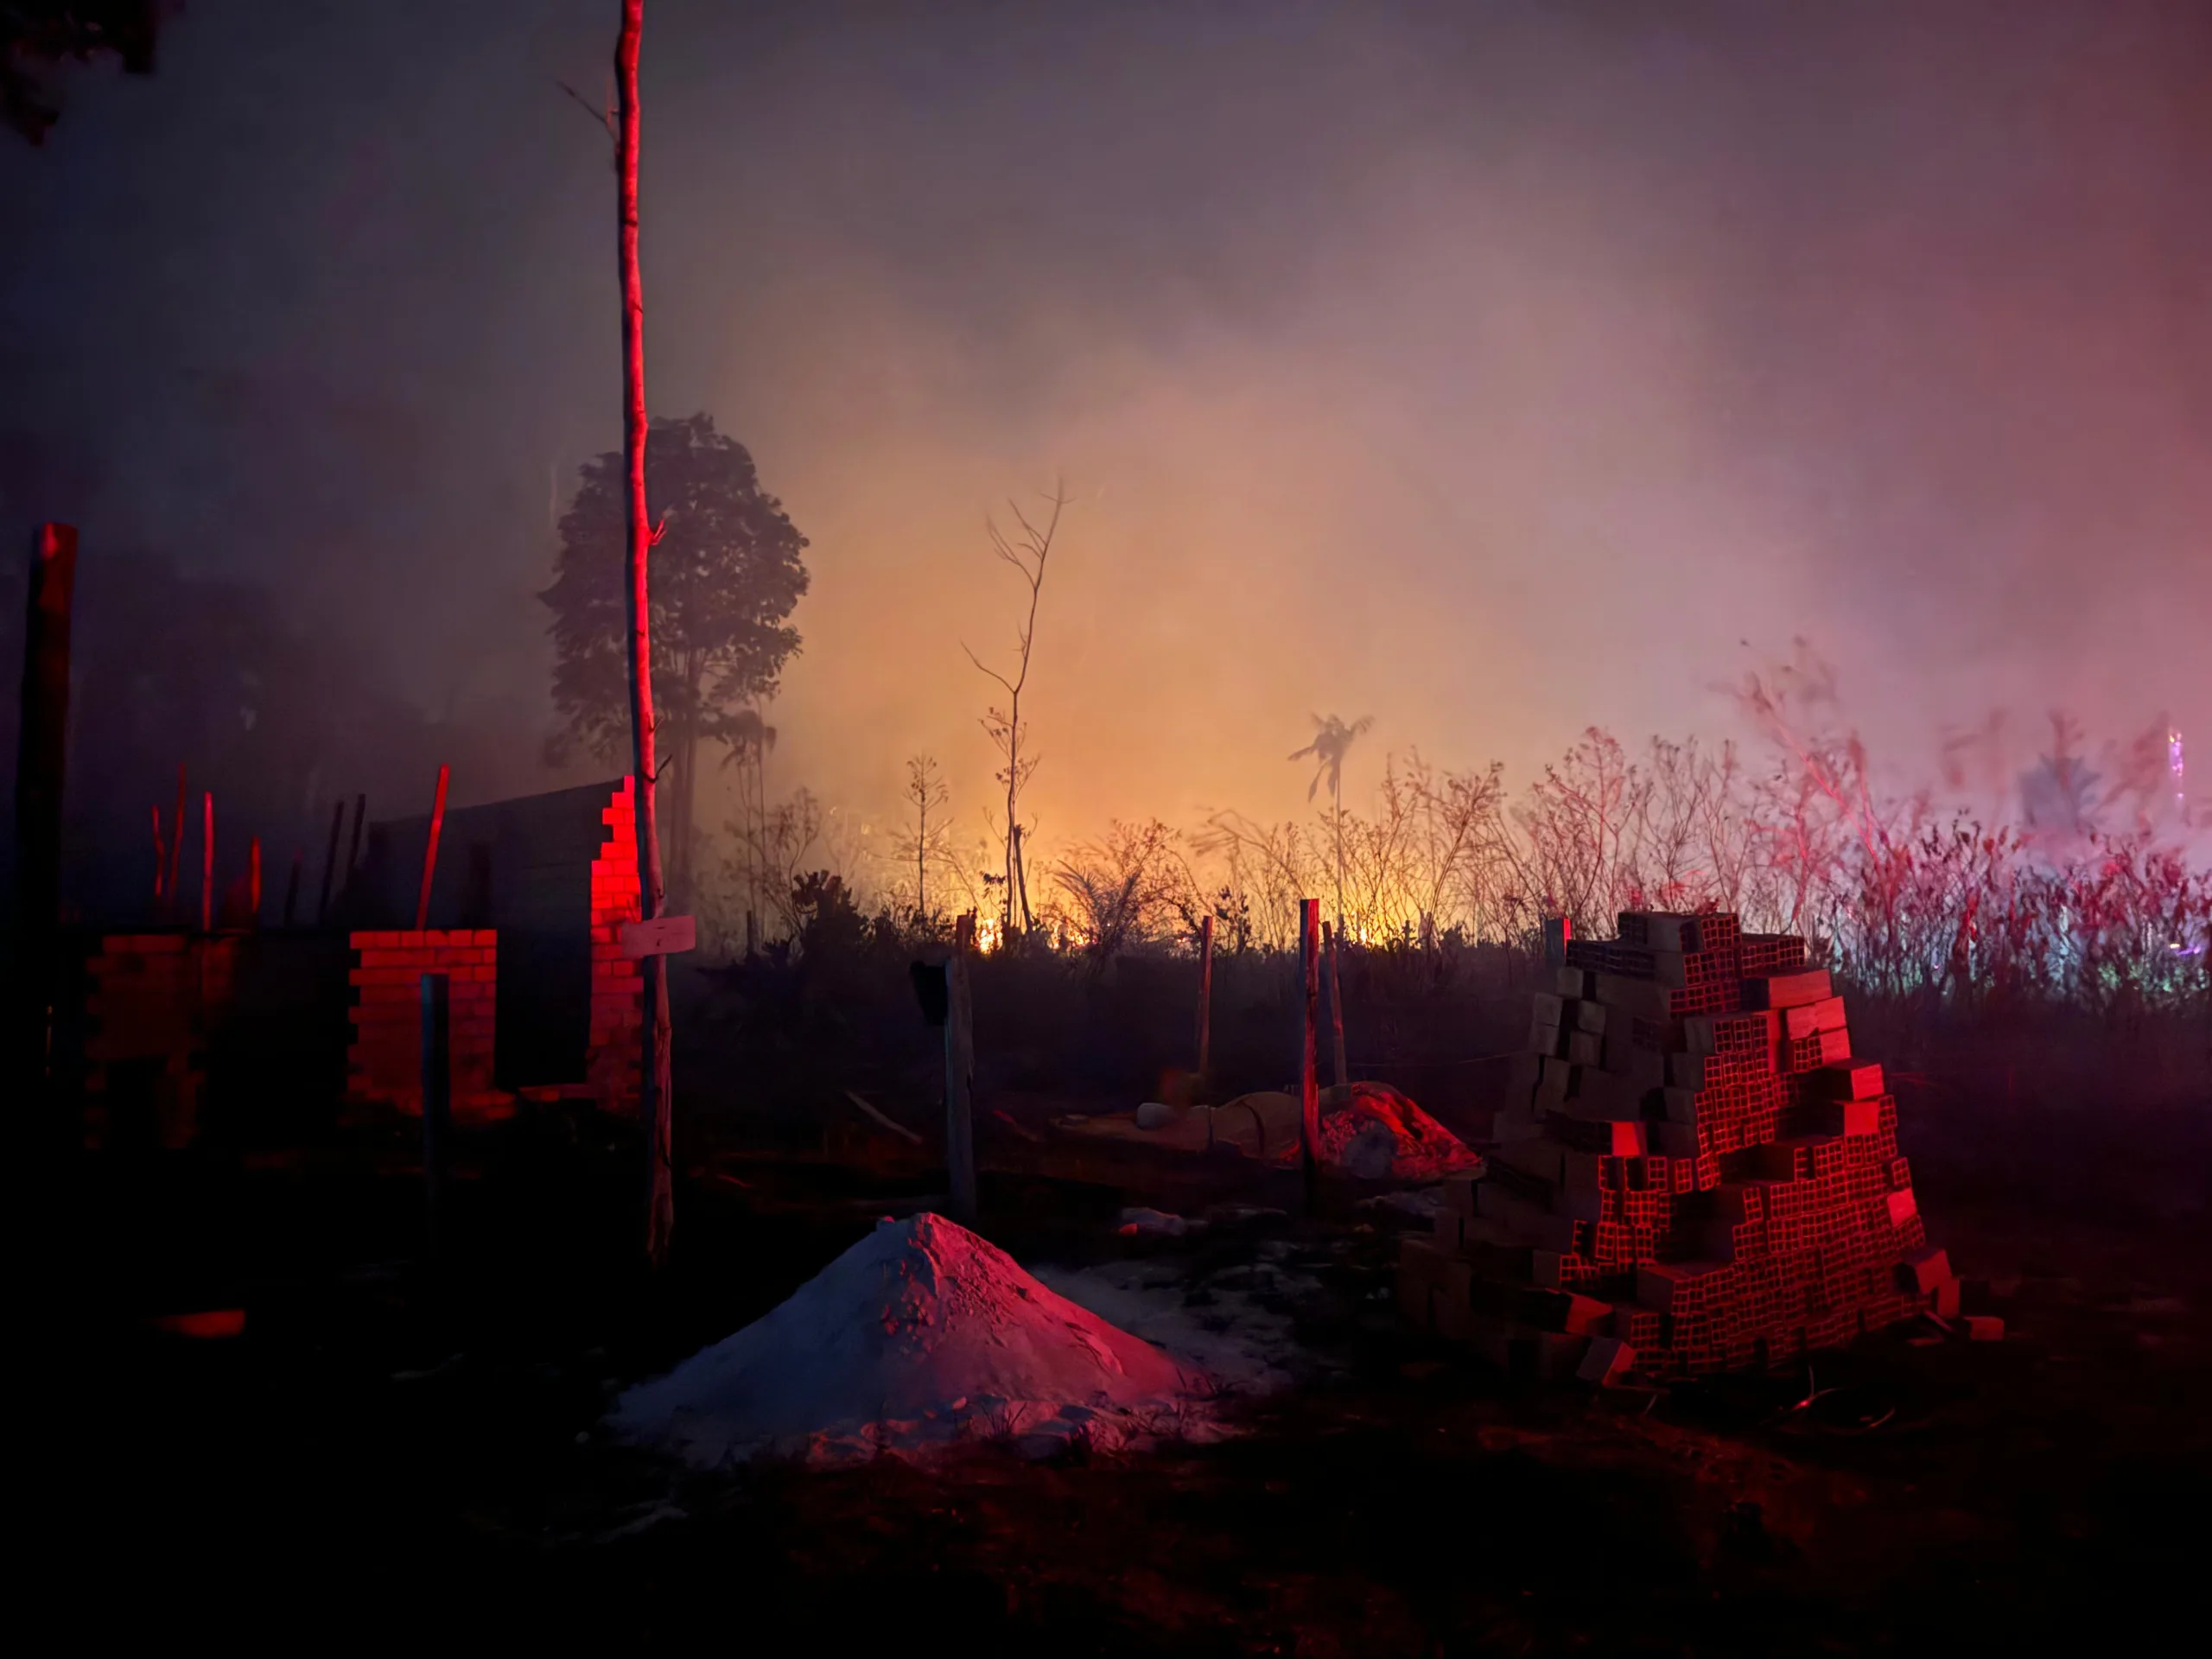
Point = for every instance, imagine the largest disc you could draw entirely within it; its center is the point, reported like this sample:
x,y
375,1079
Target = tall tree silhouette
x,y
1332,739
725,575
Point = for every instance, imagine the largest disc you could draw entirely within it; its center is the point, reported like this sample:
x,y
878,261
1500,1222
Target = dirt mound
x,y
1372,1131
918,1337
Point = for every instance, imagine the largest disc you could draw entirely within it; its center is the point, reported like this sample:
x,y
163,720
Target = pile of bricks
x,y
152,1000
1693,1172
617,985
385,1063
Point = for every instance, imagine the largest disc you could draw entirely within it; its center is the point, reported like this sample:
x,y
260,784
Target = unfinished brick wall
x,y
151,1003
385,1063
617,984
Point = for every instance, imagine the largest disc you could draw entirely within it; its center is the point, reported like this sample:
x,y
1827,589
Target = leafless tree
x,y
928,792
1027,553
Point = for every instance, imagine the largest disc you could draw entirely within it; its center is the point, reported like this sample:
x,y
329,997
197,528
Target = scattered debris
x,y
1607,1362
1234,1324
920,1337
1422,1204
881,1121
450,1362
207,1325
1138,1222
1021,1130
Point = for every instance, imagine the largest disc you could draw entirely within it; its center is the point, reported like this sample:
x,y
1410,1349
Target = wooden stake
x,y
1335,938
959,1082
1206,994
253,881
177,841
41,756
330,862
353,851
437,1088
208,862
292,888
1309,1089
430,851
161,856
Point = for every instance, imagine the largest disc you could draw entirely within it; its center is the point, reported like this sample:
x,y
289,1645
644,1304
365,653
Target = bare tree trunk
x,y
655,1100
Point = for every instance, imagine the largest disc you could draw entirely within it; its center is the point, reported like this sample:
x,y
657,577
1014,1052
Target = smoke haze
x,y
1497,370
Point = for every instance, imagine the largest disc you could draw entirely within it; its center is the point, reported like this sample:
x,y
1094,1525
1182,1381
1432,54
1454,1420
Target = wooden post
x,y
437,1086
40,758
959,1082
161,856
1335,939
292,889
1309,1091
330,862
207,860
430,851
253,881
354,850
1557,931
176,841
1205,995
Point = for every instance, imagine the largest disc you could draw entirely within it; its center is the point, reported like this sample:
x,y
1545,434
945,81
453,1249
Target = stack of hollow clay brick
x,y
1693,1172
617,985
152,1000
385,1063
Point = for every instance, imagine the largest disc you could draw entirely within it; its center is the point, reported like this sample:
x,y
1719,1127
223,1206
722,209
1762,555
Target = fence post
x,y
1309,1003
1205,996
959,1079
1558,929
330,861
1335,939
207,860
176,848
40,758
437,1083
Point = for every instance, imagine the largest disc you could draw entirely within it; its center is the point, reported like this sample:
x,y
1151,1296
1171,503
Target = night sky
x,y
1494,370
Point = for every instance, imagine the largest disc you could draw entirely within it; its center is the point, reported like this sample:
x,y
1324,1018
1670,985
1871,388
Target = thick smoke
x,y
1496,372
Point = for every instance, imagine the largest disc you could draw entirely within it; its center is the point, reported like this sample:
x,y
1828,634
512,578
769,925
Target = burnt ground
x,y
389,1450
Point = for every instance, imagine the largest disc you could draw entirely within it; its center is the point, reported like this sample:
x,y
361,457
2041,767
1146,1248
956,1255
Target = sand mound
x,y
919,1337
1372,1131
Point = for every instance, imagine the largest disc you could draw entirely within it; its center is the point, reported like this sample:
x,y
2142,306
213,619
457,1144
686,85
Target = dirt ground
x,y
388,1449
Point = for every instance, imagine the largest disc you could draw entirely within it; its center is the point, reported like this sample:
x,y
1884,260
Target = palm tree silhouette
x,y
1331,739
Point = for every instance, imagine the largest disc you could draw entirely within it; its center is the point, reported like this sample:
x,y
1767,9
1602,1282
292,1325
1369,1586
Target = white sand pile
x,y
919,1337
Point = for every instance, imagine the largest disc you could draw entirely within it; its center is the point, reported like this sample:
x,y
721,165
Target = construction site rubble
x,y
1693,1172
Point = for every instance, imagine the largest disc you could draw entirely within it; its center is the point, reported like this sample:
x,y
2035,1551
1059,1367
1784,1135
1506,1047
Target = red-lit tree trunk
x,y
655,1096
